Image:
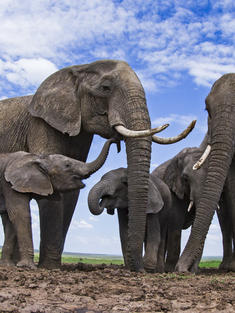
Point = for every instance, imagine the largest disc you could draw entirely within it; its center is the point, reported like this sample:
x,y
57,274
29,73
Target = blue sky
x,y
177,48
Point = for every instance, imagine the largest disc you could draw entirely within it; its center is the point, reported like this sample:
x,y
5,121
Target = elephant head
x,y
106,98
182,180
111,192
45,174
220,105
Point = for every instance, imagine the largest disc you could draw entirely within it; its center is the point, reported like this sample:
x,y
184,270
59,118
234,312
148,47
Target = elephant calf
x,y
25,176
111,192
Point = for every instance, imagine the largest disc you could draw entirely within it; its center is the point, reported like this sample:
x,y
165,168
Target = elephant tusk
x,y
138,133
165,141
202,159
190,206
218,207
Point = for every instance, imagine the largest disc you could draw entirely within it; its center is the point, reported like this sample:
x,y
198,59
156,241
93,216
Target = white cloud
x,y
80,224
27,72
160,38
183,120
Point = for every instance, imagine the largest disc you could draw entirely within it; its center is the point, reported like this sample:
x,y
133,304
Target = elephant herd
x,y
44,142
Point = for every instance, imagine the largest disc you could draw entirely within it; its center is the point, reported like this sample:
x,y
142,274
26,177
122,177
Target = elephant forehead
x,y
115,174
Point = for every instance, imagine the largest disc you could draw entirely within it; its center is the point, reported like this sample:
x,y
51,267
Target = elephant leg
x,y
195,266
230,209
70,200
9,241
226,229
153,237
173,249
51,226
160,268
123,231
18,209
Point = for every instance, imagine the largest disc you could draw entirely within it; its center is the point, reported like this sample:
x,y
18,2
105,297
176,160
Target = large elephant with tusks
x,y
220,105
104,98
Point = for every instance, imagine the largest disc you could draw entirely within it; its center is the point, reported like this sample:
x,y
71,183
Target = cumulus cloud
x,y
26,72
158,38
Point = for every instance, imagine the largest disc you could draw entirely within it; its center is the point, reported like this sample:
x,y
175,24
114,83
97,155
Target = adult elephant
x,y
104,98
220,105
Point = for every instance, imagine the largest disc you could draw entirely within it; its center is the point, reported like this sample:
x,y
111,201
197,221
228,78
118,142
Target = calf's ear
x,y
155,202
26,175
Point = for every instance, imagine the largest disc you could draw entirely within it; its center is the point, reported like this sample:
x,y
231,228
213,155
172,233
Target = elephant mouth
x,y
104,203
78,181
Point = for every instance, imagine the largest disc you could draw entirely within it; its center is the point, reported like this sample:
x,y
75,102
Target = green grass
x,y
210,264
91,260
86,258
106,259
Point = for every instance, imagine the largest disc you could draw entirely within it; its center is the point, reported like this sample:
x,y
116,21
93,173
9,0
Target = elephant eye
x,y
105,86
185,177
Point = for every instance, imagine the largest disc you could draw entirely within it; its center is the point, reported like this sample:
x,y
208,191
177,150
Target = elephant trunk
x,y
94,197
138,159
138,163
90,168
219,162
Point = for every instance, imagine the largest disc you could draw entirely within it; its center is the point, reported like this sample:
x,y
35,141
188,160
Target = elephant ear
x,y
155,202
26,175
56,101
173,175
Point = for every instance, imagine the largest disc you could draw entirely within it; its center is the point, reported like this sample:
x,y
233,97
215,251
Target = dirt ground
x,y
87,288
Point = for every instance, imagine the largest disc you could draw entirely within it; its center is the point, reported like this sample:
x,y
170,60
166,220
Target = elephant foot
x,y
182,268
224,265
150,267
50,265
231,266
26,264
169,268
9,263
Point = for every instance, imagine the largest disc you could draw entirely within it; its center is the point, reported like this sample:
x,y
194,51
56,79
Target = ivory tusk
x,y
138,133
190,206
202,159
165,141
218,207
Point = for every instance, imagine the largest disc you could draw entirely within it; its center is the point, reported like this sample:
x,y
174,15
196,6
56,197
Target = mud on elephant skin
x,y
25,176
105,98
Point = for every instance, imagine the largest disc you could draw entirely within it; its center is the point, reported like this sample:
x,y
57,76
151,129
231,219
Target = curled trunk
x,y
94,197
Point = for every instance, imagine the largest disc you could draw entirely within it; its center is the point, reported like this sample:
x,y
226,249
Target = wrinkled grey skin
x,y
185,186
171,188
111,192
220,104
68,108
25,176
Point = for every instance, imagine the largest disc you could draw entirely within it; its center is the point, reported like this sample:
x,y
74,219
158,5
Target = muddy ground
x,y
88,288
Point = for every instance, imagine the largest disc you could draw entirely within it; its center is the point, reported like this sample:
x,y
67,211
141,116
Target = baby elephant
x,y
111,192
25,176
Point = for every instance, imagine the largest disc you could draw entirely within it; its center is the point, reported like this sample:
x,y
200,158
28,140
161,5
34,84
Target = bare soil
x,y
86,288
